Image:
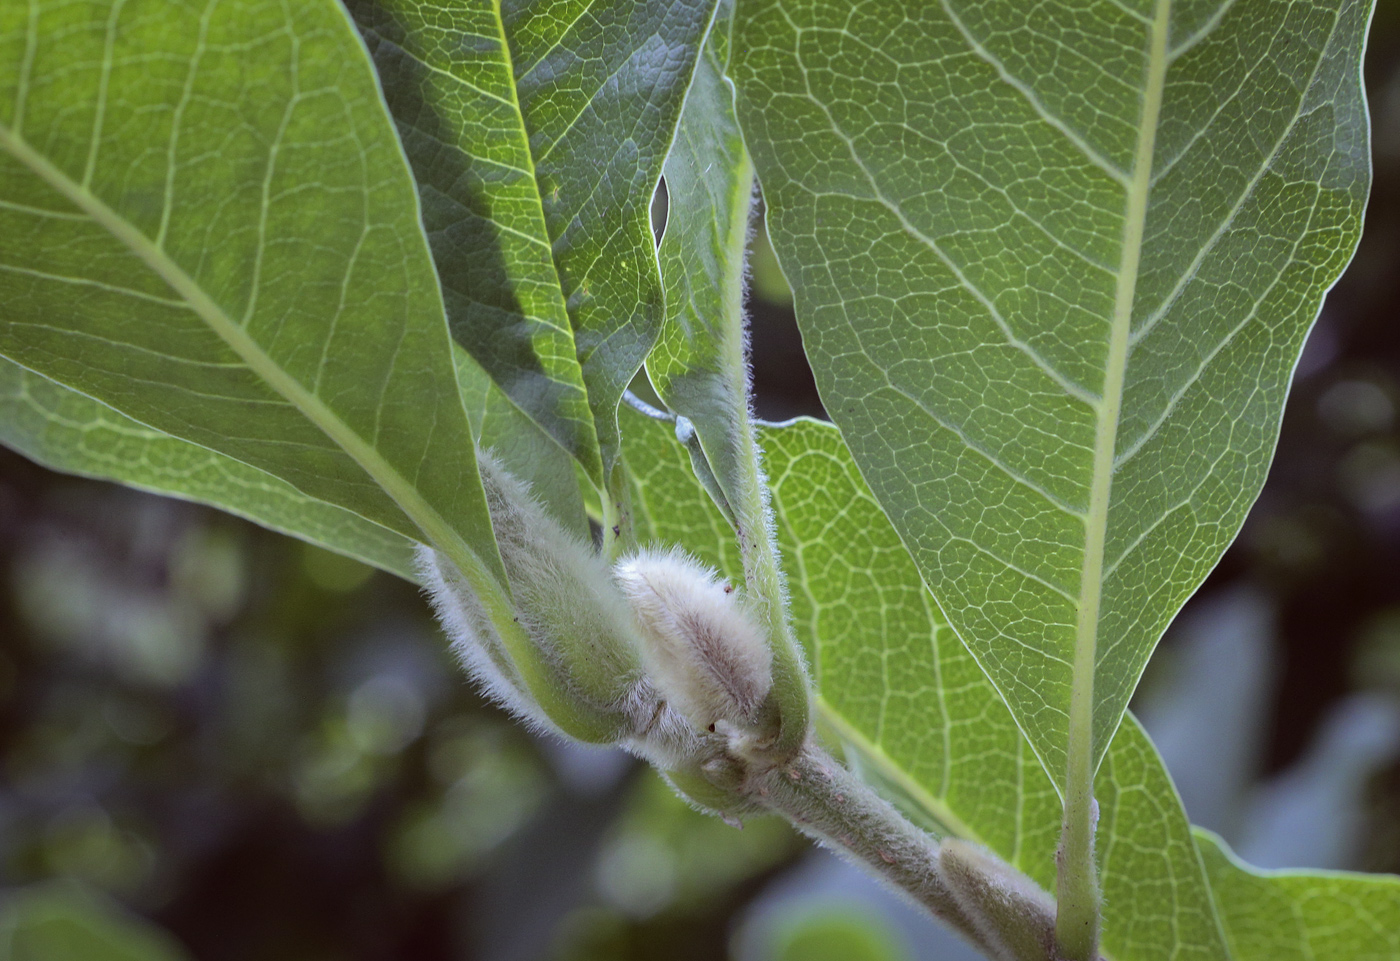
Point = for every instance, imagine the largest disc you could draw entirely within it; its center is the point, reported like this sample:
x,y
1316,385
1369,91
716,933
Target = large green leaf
x,y
537,131
66,431
920,720
209,227
1053,273
1303,916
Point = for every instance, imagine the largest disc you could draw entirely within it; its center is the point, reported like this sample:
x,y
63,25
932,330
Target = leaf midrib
x,y
591,458
1083,754
428,520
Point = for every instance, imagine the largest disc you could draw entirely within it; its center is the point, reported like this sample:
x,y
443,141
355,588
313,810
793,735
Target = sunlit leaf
x,y
920,721
537,131
1053,273
699,366
917,715
210,227
1303,915
66,431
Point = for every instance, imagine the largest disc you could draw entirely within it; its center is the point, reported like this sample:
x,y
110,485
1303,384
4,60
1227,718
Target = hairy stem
x,y
829,804
999,910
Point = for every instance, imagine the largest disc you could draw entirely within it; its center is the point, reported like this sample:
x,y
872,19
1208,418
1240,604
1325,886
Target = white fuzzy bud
x,y
703,650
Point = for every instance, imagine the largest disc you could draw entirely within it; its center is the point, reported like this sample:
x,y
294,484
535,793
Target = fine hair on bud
x,y
583,645
705,652
475,640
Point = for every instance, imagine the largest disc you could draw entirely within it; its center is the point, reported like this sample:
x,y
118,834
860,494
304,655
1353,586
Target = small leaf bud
x,y
705,653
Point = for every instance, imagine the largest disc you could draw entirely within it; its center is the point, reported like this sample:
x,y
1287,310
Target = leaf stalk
x,y
996,908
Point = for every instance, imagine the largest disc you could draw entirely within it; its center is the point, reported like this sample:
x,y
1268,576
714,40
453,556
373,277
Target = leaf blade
x,y
700,364
1326,916
552,122
915,711
977,242
460,120
296,326
65,431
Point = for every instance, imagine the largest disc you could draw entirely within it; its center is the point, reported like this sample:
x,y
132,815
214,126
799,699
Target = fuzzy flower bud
x,y
569,661
703,650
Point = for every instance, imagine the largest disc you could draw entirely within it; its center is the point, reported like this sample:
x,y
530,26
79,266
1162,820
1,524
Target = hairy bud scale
x,y
701,647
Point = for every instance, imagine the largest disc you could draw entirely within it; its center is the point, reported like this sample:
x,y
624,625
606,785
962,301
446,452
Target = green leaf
x,y
533,456
921,721
923,718
1308,916
525,448
537,131
63,922
210,228
1053,275
69,432
699,365
918,716
671,507
66,431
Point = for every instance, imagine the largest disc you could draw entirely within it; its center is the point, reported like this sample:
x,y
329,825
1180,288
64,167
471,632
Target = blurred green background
x,y
217,743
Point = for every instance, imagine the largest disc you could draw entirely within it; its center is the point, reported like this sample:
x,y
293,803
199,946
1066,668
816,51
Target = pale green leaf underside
x,y
209,227
1053,275
533,456
698,365
68,432
917,714
537,131
1301,916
